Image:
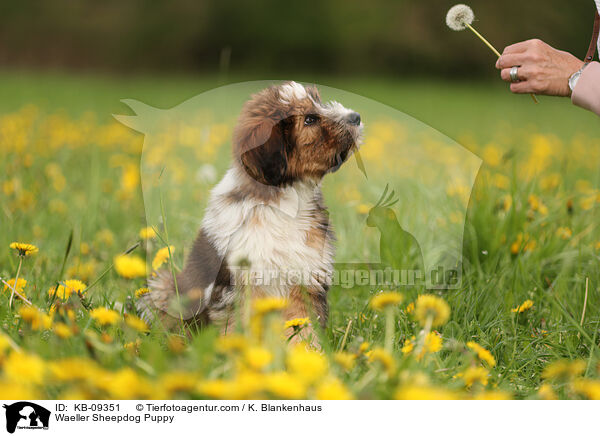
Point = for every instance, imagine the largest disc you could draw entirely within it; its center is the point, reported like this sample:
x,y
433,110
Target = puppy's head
x,y
285,133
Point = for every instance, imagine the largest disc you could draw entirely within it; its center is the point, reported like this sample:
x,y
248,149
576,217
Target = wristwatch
x,y
575,77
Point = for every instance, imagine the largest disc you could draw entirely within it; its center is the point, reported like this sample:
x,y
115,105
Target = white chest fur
x,y
271,237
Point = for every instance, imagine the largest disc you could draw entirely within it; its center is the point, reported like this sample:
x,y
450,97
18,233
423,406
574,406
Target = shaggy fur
x,y
266,214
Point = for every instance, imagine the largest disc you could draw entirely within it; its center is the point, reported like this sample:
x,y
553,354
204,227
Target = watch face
x,y
573,80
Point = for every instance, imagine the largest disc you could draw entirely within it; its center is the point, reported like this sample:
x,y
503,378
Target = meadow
x,y
522,325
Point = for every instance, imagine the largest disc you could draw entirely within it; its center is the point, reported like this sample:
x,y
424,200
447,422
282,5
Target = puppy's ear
x,y
267,162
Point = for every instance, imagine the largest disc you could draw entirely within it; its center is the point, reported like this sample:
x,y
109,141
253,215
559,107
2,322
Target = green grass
x,y
484,117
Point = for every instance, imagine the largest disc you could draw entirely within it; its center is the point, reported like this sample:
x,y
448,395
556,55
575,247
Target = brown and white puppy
x,y
266,213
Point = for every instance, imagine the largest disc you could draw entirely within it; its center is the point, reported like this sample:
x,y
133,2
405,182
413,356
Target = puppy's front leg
x,y
306,303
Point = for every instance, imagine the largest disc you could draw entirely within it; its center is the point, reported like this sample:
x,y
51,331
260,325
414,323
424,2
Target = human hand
x,y
542,69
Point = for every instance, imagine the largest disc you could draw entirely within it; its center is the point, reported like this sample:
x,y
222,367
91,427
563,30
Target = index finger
x,y
510,60
518,47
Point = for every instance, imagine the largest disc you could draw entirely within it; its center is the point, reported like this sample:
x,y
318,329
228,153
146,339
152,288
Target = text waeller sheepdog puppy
x,y
266,230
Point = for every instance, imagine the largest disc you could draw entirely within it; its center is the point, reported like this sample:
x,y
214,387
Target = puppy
x,y
266,231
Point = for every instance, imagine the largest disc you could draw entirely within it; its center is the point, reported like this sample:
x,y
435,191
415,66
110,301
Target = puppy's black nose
x,y
353,118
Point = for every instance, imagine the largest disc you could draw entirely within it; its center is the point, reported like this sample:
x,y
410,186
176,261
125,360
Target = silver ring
x,y
514,74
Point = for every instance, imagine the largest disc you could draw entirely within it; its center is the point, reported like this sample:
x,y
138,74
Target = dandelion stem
x,y
14,287
496,52
346,335
485,41
16,292
426,332
584,302
389,328
171,266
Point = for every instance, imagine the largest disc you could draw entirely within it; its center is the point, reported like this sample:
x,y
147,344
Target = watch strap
x,y
589,57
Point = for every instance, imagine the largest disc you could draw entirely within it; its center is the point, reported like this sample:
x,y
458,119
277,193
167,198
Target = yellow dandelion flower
x,y
564,233
526,305
385,299
500,181
431,344
475,374
141,291
588,388
588,202
24,249
125,384
564,369
75,394
482,353
104,316
66,288
387,361
21,283
147,233
362,349
231,342
180,381
332,389
493,396
133,346
492,155
257,357
162,256
24,368
345,360
105,237
246,385
130,266
84,270
283,385
84,248
410,307
505,202
62,330
420,392
363,208
220,389
546,392
430,308
515,247
409,346
262,306
73,369
296,323
12,390
176,344
308,365
38,319
136,323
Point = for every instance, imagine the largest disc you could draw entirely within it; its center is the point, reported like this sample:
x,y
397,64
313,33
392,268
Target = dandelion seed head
x,y
459,17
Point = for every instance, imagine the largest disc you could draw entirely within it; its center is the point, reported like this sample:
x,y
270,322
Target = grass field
x,y
524,323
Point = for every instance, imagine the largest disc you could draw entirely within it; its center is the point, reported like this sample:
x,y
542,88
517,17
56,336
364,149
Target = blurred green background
x,y
334,37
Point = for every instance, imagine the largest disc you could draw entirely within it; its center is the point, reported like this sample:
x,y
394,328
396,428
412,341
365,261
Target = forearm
x,y
587,91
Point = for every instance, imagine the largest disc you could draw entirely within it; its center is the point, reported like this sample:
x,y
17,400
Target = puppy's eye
x,y
310,120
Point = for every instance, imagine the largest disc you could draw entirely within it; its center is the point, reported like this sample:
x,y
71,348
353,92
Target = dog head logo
x,y
26,415
188,147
